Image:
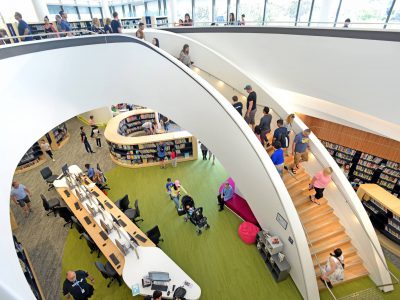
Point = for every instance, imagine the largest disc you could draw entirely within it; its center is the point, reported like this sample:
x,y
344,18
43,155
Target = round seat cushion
x,y
248,232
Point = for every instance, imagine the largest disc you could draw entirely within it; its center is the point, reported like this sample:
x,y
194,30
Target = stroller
x,y
194,215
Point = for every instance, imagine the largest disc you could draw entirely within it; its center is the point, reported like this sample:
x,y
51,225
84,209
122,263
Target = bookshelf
x,y
383,209
340,153
31,159
58,136
141,151
127,23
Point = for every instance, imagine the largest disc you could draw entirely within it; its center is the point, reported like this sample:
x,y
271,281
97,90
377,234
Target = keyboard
x,y
114,259
103,235
87,220
108,204
95,193
77,206
67,193
159,287
122,223
141,238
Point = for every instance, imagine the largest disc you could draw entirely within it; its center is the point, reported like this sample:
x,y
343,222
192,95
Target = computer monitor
x,y
65,169
91,211
159,276
101,214
121,248
104,226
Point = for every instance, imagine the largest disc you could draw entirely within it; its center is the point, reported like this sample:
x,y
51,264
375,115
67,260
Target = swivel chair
x,y
50,205
47,175
78,226
154,235
64,213
108,272
92,246
123,203
134,214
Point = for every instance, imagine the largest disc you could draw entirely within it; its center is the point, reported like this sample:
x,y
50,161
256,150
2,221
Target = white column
x,y
105,8
41,9
171,7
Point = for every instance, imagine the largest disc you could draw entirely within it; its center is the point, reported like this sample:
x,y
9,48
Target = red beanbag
x,y
248,232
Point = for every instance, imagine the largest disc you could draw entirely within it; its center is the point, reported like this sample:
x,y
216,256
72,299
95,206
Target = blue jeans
x,y
176,201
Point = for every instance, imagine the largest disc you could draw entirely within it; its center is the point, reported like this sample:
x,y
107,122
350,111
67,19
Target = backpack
x,y
179,294
283,139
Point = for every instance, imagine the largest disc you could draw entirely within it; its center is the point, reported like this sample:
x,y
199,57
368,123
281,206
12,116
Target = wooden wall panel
x,y
353,138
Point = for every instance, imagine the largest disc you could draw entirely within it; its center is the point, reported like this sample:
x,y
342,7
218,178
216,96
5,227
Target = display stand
x,y
59,136
383,209
137,152
32,158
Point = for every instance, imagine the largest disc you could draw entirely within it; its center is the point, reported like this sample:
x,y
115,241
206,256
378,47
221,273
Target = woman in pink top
x,y
319,182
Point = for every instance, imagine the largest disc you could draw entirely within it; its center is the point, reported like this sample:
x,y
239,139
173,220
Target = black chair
x,y
154,235
65,213
78,226
108,272
50,205
92,246
134,214
47,175
123,203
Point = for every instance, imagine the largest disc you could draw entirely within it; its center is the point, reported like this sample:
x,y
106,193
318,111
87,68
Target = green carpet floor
x,y
222,265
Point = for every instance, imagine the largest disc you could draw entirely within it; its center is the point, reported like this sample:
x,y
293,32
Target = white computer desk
x,y
150,259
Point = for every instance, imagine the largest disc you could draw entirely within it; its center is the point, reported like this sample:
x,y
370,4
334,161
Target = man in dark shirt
x,y
116,24
76,286
23,28
237,105
251,106
281,134
85,141
265,126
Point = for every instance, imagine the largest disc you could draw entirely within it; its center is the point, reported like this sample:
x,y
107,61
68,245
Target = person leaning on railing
x,y
49,28
96,26
188,21
23,28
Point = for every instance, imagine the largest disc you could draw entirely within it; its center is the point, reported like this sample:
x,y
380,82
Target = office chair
x,y
154,235
123,203
92,246
108,272
50,205
47,175
78,226
65,213
134,213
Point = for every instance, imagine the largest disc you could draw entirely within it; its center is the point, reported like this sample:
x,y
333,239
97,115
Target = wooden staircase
x,y
325,233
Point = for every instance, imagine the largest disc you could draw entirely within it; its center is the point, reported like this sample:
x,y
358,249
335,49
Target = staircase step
x,y
308,205
325,233
348,263
318,224
348,251
294,186
320,211
298,173
330,244
352,273
289,179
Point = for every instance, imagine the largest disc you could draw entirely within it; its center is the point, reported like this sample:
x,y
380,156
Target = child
x,y
278,157
281,134
174,158
96,135
168,187
257,132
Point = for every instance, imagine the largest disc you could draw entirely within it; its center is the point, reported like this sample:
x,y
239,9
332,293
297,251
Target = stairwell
x,y
323,229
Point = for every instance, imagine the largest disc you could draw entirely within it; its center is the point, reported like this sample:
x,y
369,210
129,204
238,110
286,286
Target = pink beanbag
x,y
248,232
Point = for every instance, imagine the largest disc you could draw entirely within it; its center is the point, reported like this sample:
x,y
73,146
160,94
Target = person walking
x,y
184,56
161,153
24,31
76,286
45,147
225,195
210,154
278,157
204,151
289,126
300,149
140,32
281,135
116,26
265,126
20,195
176,193
85,141
174,157
169,186
319,182
251,106
334,268
96,135
237,105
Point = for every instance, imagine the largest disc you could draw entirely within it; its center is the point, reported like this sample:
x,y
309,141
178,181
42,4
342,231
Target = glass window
x,y
324,13
253,11
394,22
202,12
304,12
364,11
118,9
162,8
96,12
221,9
232,8
152,8
72,13
128,13
139,10
183,7
84,13
281,12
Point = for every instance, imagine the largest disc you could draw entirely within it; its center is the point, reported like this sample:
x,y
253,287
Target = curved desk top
x,y
154,259
111,132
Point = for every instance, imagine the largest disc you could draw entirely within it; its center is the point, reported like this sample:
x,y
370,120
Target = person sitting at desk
x,y
157,295
76,286
90,171
226,194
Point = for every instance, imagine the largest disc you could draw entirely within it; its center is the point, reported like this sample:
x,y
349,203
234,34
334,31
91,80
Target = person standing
x,y
116,24
148,127
90,171
176,192
49,28
237,105
346,23
161,153
210,154
96,135
243,21
85,141
140,31
281,134
184,56
289,126
174,158
204,151
265,126
23,28
251,106
65,26
45,146
188,21
20,195
300,148
278,157
232,20
107,26
58,24
92,124
225,195
76,286
96,26
168,186
155,42
319,182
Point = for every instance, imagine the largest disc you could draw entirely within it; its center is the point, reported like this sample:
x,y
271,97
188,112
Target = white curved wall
x,y
346,203
69,93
